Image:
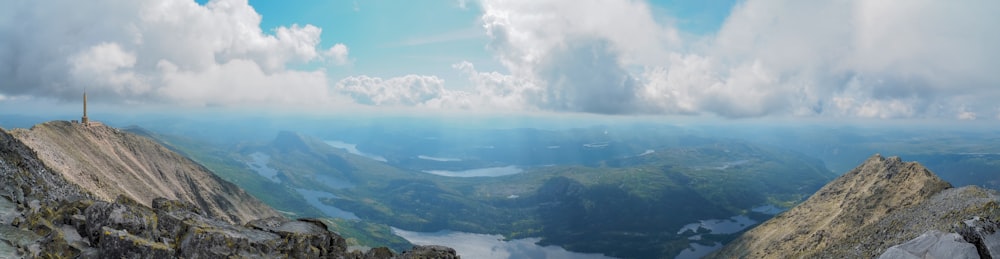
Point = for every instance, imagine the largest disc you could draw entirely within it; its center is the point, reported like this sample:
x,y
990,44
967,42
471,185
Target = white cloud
x,y
491,91
878,59
498,91
409,90
338,53
892,58
172,51
965,114
578,51
108,65
242,82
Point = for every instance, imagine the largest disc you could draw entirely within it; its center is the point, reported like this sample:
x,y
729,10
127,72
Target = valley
x,y
626,196
628,191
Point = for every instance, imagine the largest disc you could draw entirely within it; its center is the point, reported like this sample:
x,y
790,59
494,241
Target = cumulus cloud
x,y
172,51
406,90
491,91
577,50
878,59
338,53
966,115
496,90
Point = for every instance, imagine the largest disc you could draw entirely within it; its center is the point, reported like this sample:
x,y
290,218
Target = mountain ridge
x,y
881,203
110,162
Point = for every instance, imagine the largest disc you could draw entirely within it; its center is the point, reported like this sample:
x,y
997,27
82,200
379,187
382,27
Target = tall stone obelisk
x,y
84,120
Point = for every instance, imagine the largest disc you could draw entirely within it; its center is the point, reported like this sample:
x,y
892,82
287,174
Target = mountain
x,y
109,162
882,203
70,190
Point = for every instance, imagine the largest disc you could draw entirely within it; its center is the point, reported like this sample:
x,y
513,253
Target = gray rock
x,y
983,233
378,252
20,239
952,245
898,253
304,237
120,244
431,251
213,242
135,220
932,244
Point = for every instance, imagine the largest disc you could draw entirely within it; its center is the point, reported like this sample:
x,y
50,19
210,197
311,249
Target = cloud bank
x,y
172,51
881,59
855,58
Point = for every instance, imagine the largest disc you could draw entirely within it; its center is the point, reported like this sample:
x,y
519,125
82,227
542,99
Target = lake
x,y
479,172
720,226
714,226
439,159
353,149
313,198
472,245
258,162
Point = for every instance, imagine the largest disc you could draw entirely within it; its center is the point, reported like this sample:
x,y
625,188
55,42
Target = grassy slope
x,y
232,170
228,166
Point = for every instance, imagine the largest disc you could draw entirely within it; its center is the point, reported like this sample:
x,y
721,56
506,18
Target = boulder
x,y
431,251
932,244
983,233
113,243
133,219
304,238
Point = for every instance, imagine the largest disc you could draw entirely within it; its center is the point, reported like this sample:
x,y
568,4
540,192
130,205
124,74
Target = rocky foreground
x,y
884,208
172,229
45,214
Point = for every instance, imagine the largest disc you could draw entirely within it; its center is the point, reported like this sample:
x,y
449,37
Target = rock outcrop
x,y
174,229
47,213
881,203
109,162
933,244
975,238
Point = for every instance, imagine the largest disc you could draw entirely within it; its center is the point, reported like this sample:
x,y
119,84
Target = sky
x,y
892,59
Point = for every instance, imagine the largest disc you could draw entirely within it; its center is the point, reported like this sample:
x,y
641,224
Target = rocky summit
x,y
108,162
66,213
884,208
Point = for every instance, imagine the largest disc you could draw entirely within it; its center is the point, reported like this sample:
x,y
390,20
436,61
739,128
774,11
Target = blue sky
x,y
392,38
389,38
717,58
